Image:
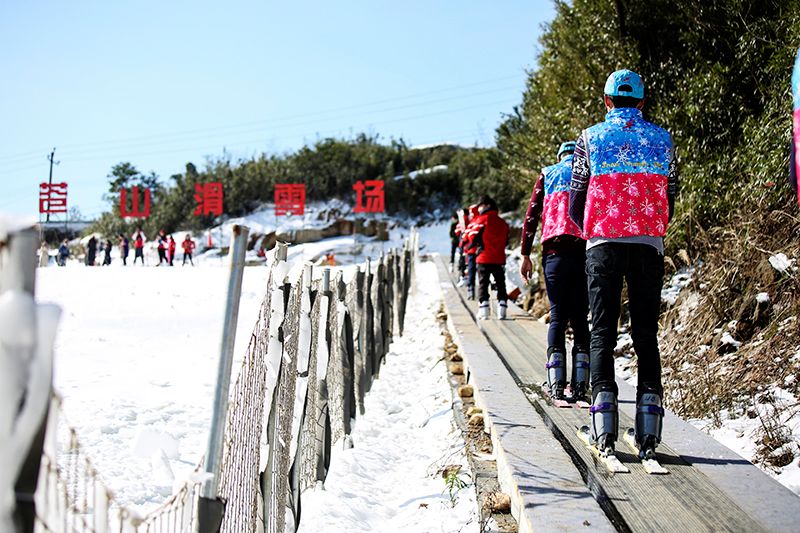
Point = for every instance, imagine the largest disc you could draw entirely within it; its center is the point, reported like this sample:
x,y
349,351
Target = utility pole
x,y
50,181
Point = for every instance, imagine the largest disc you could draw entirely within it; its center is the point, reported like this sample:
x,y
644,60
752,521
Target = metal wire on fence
x,y
314,351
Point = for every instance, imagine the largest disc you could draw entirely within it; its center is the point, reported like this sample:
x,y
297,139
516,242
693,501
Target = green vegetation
x,y
716,76
329,169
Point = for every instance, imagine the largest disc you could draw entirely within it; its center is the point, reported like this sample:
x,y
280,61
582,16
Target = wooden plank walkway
x,y
698,494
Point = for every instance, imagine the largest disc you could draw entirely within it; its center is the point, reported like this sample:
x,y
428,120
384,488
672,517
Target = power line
x,y
88,146
101,150
300,135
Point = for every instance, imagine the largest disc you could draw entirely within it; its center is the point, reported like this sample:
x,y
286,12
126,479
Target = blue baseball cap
x,y
624,83
568,146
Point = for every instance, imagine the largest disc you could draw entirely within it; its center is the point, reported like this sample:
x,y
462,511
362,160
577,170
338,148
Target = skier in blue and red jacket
x,y
490,237
564,265
624,183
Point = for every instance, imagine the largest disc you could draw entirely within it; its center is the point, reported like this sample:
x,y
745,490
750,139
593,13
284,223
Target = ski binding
x,y
611,462
651,466
567,401
563,403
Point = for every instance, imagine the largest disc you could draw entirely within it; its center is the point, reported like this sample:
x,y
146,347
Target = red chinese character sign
x,y
290,199
209,197
52,198
369,196
135,211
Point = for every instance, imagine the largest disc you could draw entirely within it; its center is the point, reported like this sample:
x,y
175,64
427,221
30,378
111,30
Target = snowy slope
x,y
135,360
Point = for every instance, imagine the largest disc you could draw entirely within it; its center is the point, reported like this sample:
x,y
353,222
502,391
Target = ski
x,y
611,462
563,404
651,466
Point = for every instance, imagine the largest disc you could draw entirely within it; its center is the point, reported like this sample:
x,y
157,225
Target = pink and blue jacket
x,y
550,202
624,178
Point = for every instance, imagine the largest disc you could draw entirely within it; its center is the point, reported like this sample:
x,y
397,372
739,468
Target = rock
x,y
456,368
465,391
474,410
476,420
498,502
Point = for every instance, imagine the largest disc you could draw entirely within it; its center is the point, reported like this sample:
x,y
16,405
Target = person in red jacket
x,y
470,250
188,248
490,238
461,227
162,247
138,245
171,247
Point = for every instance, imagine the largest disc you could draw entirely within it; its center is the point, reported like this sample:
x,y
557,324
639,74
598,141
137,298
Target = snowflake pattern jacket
x,y
624,178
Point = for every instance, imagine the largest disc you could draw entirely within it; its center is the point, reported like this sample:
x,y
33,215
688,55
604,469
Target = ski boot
x,y
556,372
649,421
605,420
470,293
502,309
580,373
483,311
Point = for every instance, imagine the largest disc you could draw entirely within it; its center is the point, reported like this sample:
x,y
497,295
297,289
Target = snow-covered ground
x,y
136,358
391,479
135,361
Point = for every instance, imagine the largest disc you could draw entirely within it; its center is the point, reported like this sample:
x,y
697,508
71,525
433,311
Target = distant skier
x,y
463,221
564,264
188,248
44,254
171,247
63,253
139,239
124,248
469,249
453,237
624,183
490,238
91,251
162,247
107,253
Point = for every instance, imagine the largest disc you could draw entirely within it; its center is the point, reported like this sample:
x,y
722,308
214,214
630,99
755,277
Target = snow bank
x,y
390,480
135,361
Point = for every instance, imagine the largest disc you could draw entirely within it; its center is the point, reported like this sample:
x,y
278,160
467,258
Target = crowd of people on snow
x,y
166,247
604,208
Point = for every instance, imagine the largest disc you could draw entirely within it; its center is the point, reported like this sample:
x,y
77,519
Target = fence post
x,y
211,509
27,333
275,359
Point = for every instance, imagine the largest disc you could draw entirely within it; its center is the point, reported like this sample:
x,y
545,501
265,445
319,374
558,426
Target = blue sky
x,y
162,82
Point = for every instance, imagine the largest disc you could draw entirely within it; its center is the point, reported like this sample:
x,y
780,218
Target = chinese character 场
x,y
52,198
209,198
369,196
135,211
290,199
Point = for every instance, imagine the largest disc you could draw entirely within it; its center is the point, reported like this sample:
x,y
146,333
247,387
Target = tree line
x,y
329,168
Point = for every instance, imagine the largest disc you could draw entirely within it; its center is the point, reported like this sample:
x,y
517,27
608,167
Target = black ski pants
x,y
565,279
471,268
642,267
496,271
